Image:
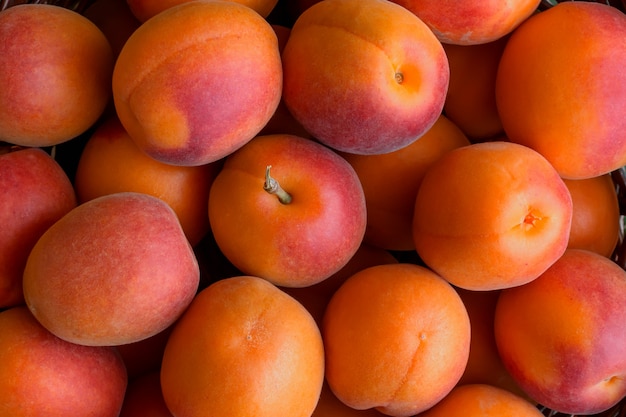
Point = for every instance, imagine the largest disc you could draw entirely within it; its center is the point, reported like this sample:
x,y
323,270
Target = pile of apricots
x,y
312,208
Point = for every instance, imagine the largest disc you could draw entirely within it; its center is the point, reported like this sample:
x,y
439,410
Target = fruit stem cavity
x,y
273,187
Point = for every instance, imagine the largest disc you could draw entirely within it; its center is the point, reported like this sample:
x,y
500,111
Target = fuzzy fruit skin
x,y
114,270
42,375
364,76
35,192
577,77
562,336
198,81
296,244
55,72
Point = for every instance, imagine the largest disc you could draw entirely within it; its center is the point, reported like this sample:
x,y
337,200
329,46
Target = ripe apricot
x,y
596,215
42,375
243,348
55,73
470,22
396,338
296,241
390,182
561,88
114,270
562,336
363,76
111,162
471,98
35,192
482,400
198,81
491,215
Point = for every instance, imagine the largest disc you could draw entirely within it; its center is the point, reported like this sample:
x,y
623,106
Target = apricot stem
x,y
273,187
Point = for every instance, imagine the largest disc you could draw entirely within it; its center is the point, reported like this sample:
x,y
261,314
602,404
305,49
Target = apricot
x,y
287,209
111,162
42,375
363,76
390,182
396,338
243,348
596,215
198,81
469,22
562,335
471,99
35,192
491,215
114,270
552,96
482,400
55,73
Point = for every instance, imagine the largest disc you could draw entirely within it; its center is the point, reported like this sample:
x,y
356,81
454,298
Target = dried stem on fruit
x,y
273,187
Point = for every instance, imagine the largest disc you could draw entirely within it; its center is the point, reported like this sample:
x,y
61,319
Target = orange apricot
x,y
243,348
491,215
198,81
55,73
470,22
561,88
596,215
562,336
397,339
391,180
111,162
363,76
482,400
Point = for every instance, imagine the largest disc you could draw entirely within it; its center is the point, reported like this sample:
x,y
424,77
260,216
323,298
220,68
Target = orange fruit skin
x,y
42,375
243,348
396,338
297,244
561,88
562,335
363,76
491,215
35,192
482,400
596,216
470,22
114,270
197,81
55,72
